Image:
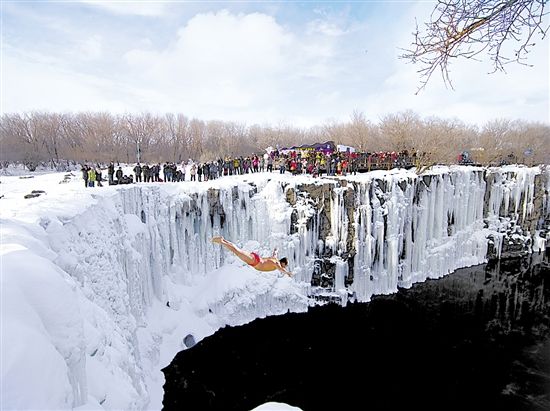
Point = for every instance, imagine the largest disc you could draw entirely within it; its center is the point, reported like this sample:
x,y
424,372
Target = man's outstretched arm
x,y
283,270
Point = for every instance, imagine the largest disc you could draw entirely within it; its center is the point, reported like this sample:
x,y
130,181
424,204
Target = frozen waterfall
x,y
132,270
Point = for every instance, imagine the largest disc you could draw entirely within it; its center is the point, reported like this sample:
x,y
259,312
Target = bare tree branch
x,y
468,28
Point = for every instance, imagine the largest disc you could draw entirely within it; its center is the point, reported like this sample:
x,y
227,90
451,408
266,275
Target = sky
x,y
86,273
254,62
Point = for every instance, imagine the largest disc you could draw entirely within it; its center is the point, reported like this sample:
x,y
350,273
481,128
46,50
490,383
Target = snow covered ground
x,y
100,286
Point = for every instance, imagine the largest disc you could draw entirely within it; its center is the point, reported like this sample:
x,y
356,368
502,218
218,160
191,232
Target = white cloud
x,y
91,48
232,63
43,87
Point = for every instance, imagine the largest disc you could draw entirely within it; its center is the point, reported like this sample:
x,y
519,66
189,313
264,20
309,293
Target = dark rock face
x,y
216,207
476,339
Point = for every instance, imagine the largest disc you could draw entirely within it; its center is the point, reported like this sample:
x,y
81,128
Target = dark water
x,y
476,339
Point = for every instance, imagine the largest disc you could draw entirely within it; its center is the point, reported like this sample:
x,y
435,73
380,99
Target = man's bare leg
x,y
243,255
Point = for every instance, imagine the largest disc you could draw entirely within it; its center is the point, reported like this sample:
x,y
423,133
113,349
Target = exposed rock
x,y
189,340
34,194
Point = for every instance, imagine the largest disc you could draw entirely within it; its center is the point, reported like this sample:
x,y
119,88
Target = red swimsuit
x,y
256,260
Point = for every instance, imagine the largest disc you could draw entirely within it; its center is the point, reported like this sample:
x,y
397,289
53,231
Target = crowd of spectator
x,y
315,163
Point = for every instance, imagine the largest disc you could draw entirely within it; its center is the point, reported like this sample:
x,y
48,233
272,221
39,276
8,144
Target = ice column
x,y
307,236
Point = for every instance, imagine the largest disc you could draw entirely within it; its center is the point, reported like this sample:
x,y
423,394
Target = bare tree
x,y
402,131
446,139
358,130
12,139
236,139
535,141
48,126
197,133
142,134
175,138
25,136
90,137
467,28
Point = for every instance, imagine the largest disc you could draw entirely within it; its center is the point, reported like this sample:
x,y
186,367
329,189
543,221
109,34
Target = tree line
x,y
57,139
